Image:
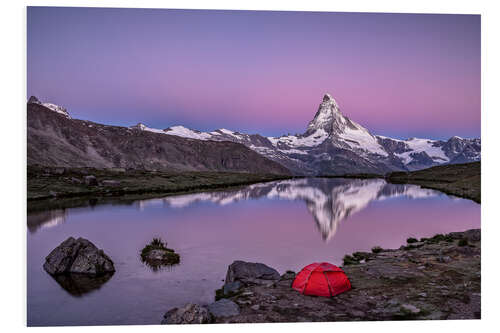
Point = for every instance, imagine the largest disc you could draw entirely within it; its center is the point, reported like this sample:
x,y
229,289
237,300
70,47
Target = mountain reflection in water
x,y
328,200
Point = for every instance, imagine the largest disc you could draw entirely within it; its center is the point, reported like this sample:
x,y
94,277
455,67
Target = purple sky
x,y
400,75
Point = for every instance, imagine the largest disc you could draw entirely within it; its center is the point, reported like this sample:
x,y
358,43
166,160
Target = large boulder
x,y
251,273
224,308
189,314
78,256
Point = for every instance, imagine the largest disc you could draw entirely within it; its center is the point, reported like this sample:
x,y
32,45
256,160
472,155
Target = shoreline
x,y
91,186
59,187
428,279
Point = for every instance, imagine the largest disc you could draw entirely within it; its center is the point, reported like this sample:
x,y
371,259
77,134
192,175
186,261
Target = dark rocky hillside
x,y
462,180
57,140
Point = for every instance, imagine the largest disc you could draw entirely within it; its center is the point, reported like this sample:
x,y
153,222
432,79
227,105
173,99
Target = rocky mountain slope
x,y
333,144
54,139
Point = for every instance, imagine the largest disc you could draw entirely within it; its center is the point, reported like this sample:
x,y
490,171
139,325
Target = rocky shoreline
x,y
462,180
64,182
427,279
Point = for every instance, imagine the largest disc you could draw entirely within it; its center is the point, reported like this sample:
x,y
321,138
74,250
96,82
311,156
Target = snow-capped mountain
x,y
334,144
330,201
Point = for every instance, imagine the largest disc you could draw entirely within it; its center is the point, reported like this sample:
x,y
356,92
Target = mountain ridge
x,y
57,140
333,144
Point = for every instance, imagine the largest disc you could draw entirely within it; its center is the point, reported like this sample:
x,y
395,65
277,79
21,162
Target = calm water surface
x,y
285,224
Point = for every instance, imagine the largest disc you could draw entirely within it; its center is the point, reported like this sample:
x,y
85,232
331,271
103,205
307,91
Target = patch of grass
x,y
168,258
440,238
376,249
463,242
411,240
349,260
155,244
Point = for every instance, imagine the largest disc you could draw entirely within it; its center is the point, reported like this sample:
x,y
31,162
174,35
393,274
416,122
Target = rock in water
x,y
224,308
156,255
251,273
189,314
78,256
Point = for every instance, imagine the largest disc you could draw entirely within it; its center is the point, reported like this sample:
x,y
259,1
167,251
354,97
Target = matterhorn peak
x,y
328,113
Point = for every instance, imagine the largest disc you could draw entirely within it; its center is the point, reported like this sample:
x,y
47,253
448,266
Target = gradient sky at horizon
x,y
400,75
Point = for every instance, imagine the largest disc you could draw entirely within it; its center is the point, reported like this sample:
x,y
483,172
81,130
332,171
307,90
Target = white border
x,y
13,131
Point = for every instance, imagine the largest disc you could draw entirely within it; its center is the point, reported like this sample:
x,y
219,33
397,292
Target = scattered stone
x,y
389,285
58,171
232,287
112,183
189,314
251,273
75,180
444,259
289,275
78,256
224,308
408,308
90,180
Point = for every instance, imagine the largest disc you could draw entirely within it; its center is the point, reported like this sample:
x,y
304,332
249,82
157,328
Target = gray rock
x,y
110,183
78,256
90,180
232,287
444,259
289,275
251,273
58,171
189,314
75,180
224,308
408,308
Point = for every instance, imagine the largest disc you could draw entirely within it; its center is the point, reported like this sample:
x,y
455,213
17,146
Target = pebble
x,y
410,308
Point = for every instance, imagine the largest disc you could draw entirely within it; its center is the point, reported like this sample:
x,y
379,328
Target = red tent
x,y
321,279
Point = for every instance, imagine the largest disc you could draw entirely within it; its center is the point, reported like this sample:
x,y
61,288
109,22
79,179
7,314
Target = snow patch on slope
x,y
57,108
187,133
423,145
366,141
311,140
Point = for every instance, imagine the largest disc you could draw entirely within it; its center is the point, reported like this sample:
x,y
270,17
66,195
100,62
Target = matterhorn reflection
x,y
328,200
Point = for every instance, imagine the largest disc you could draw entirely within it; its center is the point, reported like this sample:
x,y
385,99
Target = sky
x,y
399,75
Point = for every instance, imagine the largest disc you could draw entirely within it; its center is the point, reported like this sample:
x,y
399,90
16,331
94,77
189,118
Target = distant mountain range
x,y
54,139
332,144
